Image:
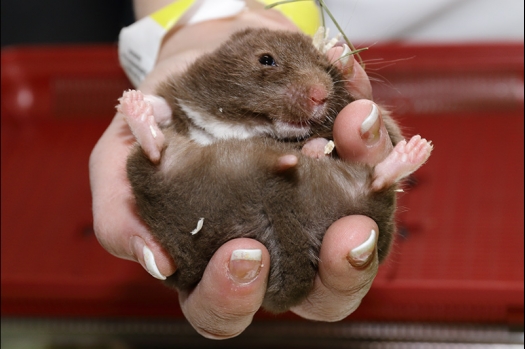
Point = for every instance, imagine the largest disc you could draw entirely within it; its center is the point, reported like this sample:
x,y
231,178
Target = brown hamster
x,y
259,83
236,112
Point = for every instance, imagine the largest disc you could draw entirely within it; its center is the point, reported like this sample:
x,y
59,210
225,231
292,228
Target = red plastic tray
x,y
459,254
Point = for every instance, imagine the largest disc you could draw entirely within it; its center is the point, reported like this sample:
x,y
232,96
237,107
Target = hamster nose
x,y
317,95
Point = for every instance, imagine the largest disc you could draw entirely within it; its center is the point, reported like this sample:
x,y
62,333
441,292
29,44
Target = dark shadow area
x,y
63,21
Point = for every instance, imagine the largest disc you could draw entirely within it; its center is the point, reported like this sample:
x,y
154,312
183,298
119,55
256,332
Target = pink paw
x,y
138,113
286,162
316,148
404,159
130,103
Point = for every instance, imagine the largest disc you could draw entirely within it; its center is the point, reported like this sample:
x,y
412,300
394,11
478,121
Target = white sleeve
x,y
373,21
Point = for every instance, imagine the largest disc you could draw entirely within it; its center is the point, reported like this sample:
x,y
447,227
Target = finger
x,y
360,133
347,267
231,290
117,226
152,256
356,80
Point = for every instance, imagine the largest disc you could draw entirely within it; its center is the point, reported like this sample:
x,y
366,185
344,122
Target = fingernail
x,y
363,254
151,266
144,256
345,55
371,127
245,265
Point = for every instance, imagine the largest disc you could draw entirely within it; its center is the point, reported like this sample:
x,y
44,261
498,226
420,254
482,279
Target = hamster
x,y
236,114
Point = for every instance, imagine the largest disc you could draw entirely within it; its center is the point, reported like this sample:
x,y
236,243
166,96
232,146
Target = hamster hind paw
x,y
404,159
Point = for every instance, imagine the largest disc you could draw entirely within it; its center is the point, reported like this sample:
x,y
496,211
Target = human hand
x,y
231,290
116,223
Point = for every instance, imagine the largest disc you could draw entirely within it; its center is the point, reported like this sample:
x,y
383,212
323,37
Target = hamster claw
x,y
322,41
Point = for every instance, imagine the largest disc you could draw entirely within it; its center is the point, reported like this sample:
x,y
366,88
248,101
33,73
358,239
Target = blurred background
x,y
451,70
370,21
431,21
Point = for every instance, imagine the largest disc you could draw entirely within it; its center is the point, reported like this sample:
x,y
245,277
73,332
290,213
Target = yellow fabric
x,y
304,14
170,14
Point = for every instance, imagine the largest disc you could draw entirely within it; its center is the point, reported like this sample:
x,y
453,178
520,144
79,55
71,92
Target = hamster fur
x,y
236,111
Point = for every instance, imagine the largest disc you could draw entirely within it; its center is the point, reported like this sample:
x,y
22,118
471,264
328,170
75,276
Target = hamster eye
x,y
267,60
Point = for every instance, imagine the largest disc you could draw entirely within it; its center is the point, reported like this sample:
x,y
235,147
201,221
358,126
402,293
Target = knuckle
x,y
219,325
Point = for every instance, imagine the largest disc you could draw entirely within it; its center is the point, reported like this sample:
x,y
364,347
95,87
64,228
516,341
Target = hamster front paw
x,y
317,148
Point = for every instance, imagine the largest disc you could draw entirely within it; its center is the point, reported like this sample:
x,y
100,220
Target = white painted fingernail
x,y
370,120
151,266
345,56
247,255
362,254
245,265
371,127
